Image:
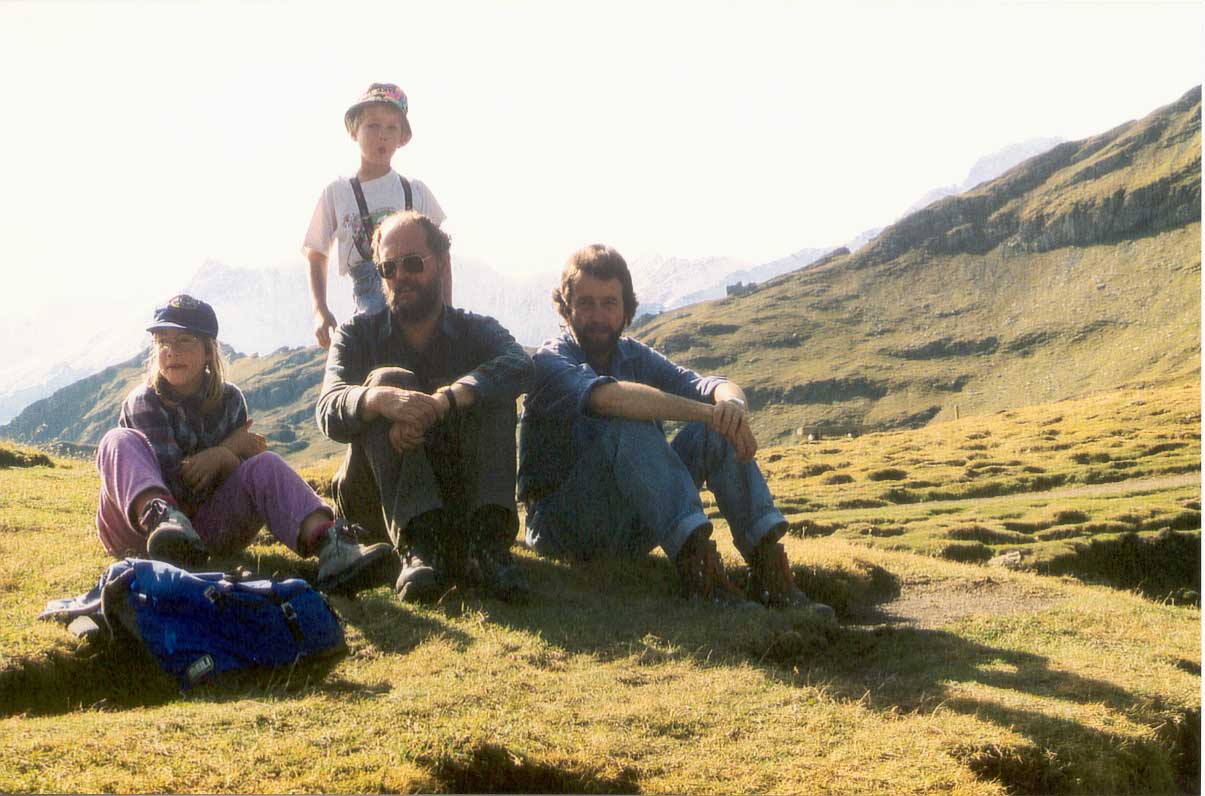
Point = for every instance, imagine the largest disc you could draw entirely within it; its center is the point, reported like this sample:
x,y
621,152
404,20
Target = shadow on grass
x,y
121,674
617,610
1166,566
489,768
115,676
897,670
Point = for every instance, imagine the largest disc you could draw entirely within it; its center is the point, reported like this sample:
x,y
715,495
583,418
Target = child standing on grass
x,y
349,209
183,477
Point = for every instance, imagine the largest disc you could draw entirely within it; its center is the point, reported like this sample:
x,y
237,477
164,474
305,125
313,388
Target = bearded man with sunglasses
x,y
425,395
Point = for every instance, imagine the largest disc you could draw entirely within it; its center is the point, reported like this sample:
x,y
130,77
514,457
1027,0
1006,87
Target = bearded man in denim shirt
x,y
599,478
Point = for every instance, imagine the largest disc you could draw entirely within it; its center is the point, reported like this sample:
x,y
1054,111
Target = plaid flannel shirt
x,y
179,430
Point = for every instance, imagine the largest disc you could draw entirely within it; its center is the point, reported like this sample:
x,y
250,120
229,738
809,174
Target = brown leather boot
x,y
702,573
772,583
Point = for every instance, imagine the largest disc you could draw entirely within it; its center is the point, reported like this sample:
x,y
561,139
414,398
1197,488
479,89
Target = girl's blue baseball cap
x,y
187,314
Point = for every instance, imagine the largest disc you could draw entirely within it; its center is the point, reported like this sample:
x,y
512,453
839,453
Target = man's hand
x,y
730,420
403,438
324,323
410,408
243,444
205,470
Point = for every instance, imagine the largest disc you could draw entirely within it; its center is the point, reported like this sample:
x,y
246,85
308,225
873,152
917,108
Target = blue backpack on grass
x,y
205,624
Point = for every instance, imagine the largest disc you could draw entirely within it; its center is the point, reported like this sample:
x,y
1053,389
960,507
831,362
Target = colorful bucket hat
x,y
188,314
386,93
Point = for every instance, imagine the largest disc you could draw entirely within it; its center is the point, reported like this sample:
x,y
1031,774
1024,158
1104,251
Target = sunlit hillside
x,y
1077,271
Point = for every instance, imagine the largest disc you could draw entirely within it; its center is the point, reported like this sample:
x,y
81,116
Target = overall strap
x,y
406,190
363,242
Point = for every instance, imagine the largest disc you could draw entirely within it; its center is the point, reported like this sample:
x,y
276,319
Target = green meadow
x,y
1016,614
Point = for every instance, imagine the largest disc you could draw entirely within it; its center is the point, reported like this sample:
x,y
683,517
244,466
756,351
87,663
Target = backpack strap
x,y
364,245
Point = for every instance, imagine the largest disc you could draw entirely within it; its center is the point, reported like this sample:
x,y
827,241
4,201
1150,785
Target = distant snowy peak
x,y
988,168
992,166
665,282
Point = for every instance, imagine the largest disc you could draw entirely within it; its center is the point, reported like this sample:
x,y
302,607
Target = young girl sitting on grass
x,y
183,477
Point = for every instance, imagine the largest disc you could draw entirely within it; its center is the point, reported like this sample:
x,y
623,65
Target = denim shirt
x,y
474,350
557,422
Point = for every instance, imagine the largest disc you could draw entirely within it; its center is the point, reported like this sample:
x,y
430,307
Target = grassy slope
x,y
981,486
1077,271
606,682
1059,324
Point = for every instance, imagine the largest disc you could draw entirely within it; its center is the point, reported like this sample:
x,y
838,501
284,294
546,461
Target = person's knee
x,y
698,439
392,377
635,432
265,462
118,443
119,437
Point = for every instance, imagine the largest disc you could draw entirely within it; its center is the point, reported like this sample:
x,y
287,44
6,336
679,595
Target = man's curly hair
x,y
600,262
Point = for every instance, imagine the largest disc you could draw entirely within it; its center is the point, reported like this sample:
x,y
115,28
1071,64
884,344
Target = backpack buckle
x,y
290,614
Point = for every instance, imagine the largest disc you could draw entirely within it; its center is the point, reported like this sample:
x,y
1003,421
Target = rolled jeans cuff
x,y
683,528
765,523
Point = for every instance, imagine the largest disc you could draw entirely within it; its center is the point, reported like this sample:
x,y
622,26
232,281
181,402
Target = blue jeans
x,y
630,491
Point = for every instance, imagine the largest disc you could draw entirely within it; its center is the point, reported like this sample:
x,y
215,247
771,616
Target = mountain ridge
x,y
1076,270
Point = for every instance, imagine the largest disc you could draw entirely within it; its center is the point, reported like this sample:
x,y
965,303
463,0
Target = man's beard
x,y
426,302
593,343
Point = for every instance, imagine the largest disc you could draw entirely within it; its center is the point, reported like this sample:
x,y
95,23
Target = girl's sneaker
x,y
170,536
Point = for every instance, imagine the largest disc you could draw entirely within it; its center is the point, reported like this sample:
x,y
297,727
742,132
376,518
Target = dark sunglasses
x,y
411,264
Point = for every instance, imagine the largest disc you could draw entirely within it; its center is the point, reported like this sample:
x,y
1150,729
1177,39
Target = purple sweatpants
x,y
263,487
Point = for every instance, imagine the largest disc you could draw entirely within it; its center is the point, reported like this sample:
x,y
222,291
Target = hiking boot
x,y
772,583
419,581
170,536
432,558
346,567
702,573
500,574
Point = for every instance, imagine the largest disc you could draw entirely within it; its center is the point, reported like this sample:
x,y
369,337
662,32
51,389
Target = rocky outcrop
x,y
824,391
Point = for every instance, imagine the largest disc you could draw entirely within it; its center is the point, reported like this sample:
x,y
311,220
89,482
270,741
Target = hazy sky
x,y
141,139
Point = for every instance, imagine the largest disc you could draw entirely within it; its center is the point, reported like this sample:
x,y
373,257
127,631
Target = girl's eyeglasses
x,y
181,344
411,264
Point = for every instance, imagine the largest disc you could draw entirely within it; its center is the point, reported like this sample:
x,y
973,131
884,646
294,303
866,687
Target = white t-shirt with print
x,y
337,215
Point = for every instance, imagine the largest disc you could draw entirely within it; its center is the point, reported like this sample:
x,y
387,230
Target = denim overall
x,y
366,287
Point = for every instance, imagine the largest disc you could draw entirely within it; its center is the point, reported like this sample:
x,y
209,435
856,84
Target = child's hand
x,y
245,444
205,470
324,324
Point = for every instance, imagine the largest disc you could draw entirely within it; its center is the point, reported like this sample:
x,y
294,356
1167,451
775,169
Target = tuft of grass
x,y
965,552
887,474
12,455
